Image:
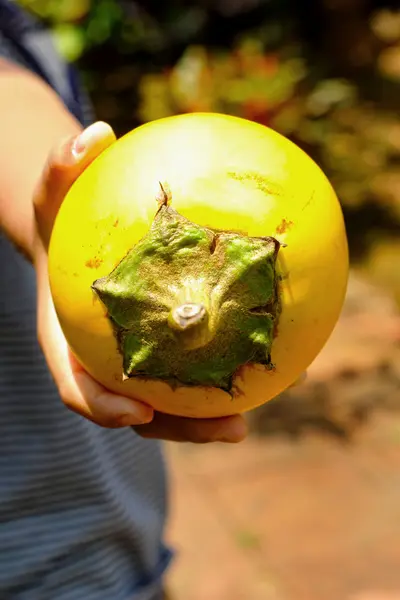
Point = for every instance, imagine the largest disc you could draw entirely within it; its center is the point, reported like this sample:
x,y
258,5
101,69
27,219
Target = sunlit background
x,y
309,507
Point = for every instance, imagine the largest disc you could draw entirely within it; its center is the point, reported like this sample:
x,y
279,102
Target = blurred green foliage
x,y
325,74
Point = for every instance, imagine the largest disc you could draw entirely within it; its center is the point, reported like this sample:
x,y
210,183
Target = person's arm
x,y
36,171
33,119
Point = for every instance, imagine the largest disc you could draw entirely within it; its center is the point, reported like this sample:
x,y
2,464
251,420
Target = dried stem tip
x,y
187,316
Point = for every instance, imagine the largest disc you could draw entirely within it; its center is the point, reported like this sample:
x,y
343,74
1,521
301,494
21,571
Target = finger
x,y
85,396
66,162
300,380
78,390
199,431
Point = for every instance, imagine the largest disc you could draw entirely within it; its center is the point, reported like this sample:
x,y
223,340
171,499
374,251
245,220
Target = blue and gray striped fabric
x,y
82,509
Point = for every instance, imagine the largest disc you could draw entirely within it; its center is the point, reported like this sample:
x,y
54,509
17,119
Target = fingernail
x,y
236,433
92,134
79,146
300,380
140,416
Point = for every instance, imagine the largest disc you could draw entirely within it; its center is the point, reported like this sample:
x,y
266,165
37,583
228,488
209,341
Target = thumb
x,y
66,162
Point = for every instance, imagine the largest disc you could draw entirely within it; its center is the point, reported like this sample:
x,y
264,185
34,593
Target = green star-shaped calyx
x,y
190,305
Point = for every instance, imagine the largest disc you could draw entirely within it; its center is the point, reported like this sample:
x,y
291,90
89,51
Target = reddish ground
x,y
308,508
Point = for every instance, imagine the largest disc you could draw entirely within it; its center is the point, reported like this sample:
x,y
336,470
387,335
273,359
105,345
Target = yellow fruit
x,y
189,247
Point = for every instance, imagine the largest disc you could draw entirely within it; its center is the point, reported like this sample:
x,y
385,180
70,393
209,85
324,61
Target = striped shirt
x,y
82,509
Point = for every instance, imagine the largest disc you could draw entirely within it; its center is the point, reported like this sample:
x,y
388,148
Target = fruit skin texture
x,y
223,173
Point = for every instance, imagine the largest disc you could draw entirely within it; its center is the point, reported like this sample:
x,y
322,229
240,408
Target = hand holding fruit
x,y
79,391
199,265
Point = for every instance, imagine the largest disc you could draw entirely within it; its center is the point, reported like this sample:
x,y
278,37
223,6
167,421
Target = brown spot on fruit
x,y
116,223
259,181
94,263
284,226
